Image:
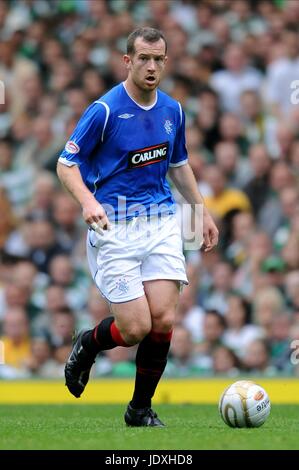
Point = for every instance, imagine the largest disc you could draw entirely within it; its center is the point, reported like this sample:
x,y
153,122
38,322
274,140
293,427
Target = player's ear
x,y
127,60
165,59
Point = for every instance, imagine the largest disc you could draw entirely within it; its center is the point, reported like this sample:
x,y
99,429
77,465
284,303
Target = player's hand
x,y
95,216
210,232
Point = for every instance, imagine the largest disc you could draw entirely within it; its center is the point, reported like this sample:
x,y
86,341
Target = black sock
x,y
151,359
104,336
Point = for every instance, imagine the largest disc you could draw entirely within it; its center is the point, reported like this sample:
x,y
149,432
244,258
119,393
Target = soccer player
x,y
115,166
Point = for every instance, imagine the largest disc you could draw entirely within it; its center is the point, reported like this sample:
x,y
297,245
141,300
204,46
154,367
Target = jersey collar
x,y
145,108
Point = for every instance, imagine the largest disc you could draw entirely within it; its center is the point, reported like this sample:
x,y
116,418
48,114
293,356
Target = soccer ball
x,y
244,404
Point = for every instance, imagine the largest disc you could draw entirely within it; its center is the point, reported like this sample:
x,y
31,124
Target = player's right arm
x,y
88,133
92,210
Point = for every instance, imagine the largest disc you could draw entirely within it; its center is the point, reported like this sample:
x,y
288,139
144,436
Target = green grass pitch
x,y
189,427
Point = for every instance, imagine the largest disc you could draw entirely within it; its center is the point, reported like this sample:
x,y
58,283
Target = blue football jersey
x,y
124,150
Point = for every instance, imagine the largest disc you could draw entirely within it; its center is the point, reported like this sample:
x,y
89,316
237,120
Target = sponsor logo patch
x,y
148,155
72,147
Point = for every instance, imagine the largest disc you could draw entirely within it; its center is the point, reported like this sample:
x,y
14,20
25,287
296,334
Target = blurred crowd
x,y
233,65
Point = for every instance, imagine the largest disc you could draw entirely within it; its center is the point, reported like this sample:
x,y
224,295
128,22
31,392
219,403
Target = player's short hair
x,y
146,33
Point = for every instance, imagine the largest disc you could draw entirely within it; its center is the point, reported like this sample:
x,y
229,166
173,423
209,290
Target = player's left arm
x,y
183,178
182,175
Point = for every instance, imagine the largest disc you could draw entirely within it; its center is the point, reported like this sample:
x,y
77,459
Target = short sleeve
x,y
179,155
87,135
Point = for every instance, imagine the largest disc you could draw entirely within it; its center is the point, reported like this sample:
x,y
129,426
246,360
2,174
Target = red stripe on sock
x,y
116,336
160,337
95,332
152,372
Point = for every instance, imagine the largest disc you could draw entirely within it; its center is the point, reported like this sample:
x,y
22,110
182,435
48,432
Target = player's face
x,y
147,64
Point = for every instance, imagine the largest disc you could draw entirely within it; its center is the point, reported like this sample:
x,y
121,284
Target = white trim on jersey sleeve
x,y
66,162
107,116
183,162
181,112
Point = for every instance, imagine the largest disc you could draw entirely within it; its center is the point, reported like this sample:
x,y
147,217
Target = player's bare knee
x,y
164,323
135,333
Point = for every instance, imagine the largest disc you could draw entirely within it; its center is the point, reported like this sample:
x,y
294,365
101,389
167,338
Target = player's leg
x,y
116,271
129,325
161,271
151,357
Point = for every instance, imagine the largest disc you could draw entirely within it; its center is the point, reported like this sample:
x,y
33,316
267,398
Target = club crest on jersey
x,y
148,155
168,126
72,147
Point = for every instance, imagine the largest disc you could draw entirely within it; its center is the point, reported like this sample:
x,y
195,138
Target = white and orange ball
x,y
244,404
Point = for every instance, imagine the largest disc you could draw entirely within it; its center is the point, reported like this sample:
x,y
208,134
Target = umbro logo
x,y
126,116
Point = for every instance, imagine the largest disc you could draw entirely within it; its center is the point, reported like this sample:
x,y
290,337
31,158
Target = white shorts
x,y
132,252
